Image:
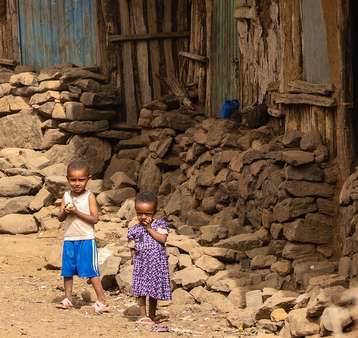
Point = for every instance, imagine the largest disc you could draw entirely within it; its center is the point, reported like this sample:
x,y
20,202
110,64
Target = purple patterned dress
x,y
151,270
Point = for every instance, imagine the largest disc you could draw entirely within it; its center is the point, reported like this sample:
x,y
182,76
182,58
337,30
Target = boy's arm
x,y
62,215
93,217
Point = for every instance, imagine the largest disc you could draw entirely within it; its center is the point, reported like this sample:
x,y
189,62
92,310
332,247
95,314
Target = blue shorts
x,y
80,258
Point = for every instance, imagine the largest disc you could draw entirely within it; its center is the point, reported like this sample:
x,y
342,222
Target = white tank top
x,y
75,228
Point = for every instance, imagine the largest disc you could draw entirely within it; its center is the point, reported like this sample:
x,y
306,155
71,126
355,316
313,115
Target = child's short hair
x,y
146,197
78,165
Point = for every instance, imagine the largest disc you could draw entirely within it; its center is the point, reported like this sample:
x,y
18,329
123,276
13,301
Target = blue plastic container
x,y
228,107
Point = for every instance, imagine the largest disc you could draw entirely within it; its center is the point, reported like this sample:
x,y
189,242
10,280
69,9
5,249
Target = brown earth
x,y
30,292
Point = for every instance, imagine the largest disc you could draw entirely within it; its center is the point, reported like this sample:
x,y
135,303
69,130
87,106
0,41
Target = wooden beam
x,y
315,100
193,56
8,62
299,86
149,36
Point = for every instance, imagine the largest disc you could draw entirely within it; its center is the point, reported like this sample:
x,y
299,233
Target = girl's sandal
x,y
100,308
65,304
160,328
144,321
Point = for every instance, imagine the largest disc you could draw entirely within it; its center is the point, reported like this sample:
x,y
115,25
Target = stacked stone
x,y
348,264
51,106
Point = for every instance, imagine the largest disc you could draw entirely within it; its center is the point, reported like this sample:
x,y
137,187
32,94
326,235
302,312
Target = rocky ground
x,y
29,294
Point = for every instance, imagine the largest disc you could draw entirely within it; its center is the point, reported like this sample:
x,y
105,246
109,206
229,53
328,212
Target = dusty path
x,y
29,293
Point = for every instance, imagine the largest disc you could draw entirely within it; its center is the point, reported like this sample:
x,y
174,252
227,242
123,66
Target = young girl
x,y
151,272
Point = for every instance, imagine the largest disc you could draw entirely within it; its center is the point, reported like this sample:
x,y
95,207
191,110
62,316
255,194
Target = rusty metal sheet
x,y
225,54
58,31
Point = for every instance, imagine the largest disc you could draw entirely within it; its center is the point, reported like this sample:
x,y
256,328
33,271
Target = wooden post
x,y
209,25
142,53
344,134
154,47
128,76
168,45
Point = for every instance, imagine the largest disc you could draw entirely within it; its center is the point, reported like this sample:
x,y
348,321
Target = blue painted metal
x,y
58,31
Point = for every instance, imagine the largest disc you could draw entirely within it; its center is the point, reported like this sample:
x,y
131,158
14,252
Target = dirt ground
x,y
30,292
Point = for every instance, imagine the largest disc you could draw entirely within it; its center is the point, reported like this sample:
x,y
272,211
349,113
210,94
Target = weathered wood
x,y
194,57
182,44
168,45
244,12
142,53
177,89
154,47
8,62
291,45
152,36
209,75
299,86
344,132
128,76
315,100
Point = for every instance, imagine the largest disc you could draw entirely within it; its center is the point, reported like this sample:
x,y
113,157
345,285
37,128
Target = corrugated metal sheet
x,y
58,31
225,54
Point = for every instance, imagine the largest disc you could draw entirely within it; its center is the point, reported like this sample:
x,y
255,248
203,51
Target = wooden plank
x,y
151,36
300,86
209,75
7,62
142,53
182,44
315,100
193,56
128,76
154,47
168,45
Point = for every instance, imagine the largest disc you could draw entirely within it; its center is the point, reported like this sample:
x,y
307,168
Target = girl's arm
x,y
161,238
62,215
93,217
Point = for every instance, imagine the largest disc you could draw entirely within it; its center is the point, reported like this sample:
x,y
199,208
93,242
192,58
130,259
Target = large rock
x,y
127,210
56,185
302,189
190,277
83,127
297,157
291,208
52,137
310,172
173,120
300,325
335,319
315,228
109,270
53,260
124,279
219,301
295,250
224,254
15,205
19,185
25,121
126,165
42,198
241,242
24,79
209,264
90,149
115,197
25,158
182,297
149,176
18,224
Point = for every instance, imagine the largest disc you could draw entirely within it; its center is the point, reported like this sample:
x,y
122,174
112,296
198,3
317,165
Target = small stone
x,y
278,315
209,264
262,261
182,297
253,299
190,277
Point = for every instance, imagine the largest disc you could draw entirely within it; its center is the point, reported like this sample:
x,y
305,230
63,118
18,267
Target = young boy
x,y
80,213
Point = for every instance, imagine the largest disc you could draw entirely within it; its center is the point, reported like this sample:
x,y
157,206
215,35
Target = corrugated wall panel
x,y
225,52
58,31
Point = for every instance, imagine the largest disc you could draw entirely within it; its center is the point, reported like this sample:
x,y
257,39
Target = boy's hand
x,y
70,208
